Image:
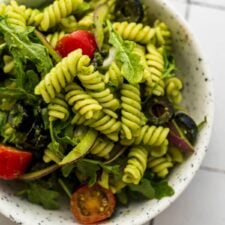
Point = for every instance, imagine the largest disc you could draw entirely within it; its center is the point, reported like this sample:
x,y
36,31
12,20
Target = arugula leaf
x,y
3,119
87,171
23,49
169,67
122,196
42,196
131,68
31,80
162,189
144,187
12,94
114,169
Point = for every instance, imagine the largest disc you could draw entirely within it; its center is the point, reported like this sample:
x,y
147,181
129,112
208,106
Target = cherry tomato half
x,y
92,204
13,162
78,39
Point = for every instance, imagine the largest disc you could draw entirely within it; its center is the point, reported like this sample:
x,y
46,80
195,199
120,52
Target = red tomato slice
x,y
92,204
13,162
78,39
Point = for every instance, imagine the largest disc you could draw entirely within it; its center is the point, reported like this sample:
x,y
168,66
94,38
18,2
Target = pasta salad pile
x,y
90,105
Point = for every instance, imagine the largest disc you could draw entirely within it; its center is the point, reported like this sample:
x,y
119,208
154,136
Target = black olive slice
x,y
187,125
129,10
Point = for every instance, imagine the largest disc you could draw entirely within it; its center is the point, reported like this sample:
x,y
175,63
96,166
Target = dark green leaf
x,y
162,189
87,171
31,80
42,196
3,119
23,49
144,187
122,197
17,94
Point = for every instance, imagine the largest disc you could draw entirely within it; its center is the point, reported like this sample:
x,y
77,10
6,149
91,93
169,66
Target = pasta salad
x,y
91,105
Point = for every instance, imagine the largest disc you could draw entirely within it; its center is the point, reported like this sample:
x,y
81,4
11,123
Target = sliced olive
x,y
187,125
158,110
129,10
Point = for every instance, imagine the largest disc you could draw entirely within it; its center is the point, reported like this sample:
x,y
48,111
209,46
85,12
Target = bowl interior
x,y
198,100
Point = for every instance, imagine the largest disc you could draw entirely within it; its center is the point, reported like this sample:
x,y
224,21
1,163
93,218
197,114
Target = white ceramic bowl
x,y
198,98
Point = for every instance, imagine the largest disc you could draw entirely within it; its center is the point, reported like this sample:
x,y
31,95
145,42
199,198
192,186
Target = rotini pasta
x,y
102,147
102,122
113,76
173,87
58,108
33,17
130,110
134,32
161,150
160,166
81,101
68,24
58,10
149,135
156,66
86,21
147,77
136,165
61,75
162,34
95,86
176,154
15,15
8,64
55,37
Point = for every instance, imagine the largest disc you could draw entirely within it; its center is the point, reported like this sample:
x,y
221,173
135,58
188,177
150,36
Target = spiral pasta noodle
x,y
102,147
86,21
176,154
158,151
58,108
136,165
134,32
113,76
8,64
162,35
108,183
62,74
173,89
68,24
102,122
55,37
149,135
81,101
155,62
58,10
95,86
3,8
33,17
147,77
160,166
130,110
15,15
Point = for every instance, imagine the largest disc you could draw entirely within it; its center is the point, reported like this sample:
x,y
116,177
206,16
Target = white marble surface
x,y
203,202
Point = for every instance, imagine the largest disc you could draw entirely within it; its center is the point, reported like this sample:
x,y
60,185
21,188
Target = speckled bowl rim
x,y
193,166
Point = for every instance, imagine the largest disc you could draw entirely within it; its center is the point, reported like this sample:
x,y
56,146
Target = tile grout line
x,y
210,169
188,8
208,5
